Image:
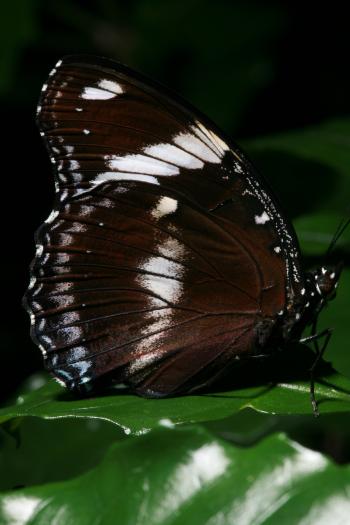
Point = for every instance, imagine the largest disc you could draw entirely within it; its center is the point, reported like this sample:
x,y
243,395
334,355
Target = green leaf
x,y
188,476
309,169
315,233
137,415
46,451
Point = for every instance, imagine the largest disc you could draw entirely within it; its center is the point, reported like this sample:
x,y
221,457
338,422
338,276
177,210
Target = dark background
x,y
255,68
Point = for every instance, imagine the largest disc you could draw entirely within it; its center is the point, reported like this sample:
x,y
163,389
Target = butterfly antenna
x,y
344,223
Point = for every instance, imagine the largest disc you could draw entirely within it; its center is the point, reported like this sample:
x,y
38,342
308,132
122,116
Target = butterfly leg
x,y
314,338
319,354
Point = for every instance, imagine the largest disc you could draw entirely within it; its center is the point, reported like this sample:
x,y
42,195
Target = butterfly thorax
x,y
320,287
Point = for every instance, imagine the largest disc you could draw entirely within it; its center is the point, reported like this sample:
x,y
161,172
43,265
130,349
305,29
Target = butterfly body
x,y
166,256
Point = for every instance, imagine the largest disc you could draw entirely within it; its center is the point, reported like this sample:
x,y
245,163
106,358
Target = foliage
x,y
198,479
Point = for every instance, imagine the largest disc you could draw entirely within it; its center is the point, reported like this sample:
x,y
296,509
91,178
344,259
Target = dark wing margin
x,y
164,250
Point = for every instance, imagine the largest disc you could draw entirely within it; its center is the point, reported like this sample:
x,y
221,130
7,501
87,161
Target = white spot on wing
x,y
167,286
261,219
74,165
170,153
39,250
114,176
165,206
210,138
111,85
141,164
51,217
194,145
238,168
93,93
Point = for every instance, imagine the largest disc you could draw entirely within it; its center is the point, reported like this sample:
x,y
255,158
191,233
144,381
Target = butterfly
x,y
166,256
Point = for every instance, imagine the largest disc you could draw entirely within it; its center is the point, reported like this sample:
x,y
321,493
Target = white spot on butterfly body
x,y
302,291
261,219
332,275
86,131
165,206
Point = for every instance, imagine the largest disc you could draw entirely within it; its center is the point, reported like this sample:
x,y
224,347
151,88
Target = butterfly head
x,y
320,287
324,282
